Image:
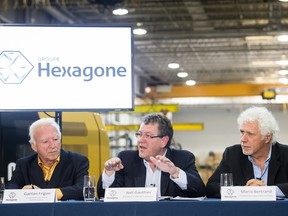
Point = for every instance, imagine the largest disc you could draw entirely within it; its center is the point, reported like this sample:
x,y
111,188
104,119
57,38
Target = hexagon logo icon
x,y
14,67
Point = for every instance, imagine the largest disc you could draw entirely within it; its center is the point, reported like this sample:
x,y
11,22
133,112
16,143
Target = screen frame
x,y
129,107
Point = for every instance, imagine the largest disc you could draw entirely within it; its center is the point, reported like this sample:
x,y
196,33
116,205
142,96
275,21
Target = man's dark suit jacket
x,y
235,162
68,174
134,174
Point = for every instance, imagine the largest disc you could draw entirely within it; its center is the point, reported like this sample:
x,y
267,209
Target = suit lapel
x,y
247,170
36,173
62,165
140,171
274,165
165,177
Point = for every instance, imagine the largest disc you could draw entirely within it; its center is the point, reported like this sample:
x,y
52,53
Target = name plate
x,y
130,194
250,193
29,196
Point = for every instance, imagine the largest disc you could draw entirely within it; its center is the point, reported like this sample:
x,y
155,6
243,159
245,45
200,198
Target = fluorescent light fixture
x,y
182,74
283,72
139,31
282,38
282,62
283,80
259,38
190,82
263,63
120,11
173,65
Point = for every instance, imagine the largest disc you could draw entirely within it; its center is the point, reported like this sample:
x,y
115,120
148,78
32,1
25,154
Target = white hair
x,y
266,121
39,123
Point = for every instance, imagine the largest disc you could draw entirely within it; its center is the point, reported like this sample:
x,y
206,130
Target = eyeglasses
x,y
147,136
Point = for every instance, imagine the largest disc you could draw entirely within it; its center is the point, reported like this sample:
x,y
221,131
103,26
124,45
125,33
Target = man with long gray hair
x,y
259,160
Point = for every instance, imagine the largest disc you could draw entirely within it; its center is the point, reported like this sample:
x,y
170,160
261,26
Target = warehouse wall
x,y
220,128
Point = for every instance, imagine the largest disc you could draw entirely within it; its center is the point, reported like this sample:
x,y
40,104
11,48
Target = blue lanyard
x,y
263,173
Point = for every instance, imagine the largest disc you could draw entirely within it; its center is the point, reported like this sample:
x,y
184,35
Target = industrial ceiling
x,y
217,42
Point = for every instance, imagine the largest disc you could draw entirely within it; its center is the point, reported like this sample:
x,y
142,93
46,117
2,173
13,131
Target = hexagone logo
x,y
14,67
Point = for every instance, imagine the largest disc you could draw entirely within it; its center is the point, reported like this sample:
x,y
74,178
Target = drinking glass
x,y
2,188
89,188
226,179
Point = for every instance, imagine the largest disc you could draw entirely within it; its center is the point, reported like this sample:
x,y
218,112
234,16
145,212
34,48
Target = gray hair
x,y
266,121
42,122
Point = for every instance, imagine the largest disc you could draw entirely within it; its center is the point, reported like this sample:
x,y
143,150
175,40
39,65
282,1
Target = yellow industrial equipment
x,y
85,133
135,127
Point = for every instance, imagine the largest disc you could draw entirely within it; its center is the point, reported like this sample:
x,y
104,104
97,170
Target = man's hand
x,y
31,186
165,165
255,182
112,165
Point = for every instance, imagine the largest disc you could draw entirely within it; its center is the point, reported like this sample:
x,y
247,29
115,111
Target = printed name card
x,y
29,196
249,193
130,194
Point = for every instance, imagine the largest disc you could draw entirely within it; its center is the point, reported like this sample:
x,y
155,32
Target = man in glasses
x,y
154,164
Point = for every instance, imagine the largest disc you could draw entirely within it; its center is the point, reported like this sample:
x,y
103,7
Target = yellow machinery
x,y
85,133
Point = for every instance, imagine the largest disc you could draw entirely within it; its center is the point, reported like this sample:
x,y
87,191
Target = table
x,y
206,207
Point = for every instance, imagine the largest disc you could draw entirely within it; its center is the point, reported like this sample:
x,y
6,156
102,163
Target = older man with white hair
x,y
259,159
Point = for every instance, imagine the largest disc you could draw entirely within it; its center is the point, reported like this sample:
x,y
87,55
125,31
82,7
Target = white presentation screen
x,y
62,68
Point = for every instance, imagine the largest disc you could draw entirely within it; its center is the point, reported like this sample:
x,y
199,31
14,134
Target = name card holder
x,y
29,196
248,193
130,194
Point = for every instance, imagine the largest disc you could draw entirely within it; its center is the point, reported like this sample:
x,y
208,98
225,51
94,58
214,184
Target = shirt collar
x,y
40,163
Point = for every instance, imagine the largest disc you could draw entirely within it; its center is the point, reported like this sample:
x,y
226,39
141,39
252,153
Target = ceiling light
x,y
147,89
262,63
139,31
283,72
190,82
120,11
182,74
283,0
283,81
173,65
282,62
258,38
283,38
